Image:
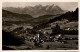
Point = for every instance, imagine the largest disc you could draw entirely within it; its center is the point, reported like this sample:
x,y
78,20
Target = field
x,y
52,46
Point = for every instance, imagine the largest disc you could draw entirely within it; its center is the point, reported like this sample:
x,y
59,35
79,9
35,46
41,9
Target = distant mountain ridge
x,y
10,16
37,10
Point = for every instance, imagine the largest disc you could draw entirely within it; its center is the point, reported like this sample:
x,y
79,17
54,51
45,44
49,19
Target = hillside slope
x,y
71,16
10,16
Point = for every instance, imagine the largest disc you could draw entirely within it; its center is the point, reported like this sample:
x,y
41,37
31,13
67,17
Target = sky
x,y
71,6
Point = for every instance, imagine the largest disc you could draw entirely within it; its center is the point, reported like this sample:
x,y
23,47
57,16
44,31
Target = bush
x,y
11,39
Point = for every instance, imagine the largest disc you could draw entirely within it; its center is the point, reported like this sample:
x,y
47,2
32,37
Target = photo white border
x,y
34,50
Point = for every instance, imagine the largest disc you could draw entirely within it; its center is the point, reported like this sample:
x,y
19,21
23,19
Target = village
x,y
53,33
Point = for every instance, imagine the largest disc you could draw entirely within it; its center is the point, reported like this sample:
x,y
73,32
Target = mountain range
x,y
49,13
37,10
